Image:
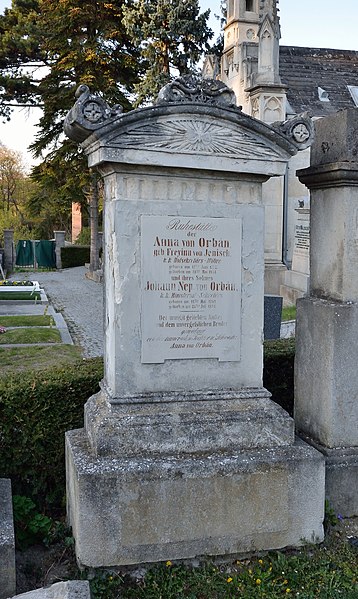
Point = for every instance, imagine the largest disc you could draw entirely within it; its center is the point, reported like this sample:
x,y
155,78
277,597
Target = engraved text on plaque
x,y
191,288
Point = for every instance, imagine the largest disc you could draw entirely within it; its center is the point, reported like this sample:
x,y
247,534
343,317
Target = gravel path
x,y
80,301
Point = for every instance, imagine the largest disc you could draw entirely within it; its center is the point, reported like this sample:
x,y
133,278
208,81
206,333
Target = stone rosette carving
x,y
193,89
88,114
299,130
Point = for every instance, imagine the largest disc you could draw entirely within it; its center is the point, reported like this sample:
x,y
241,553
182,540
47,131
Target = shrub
x,y
30,526
75,255
84,237
36,409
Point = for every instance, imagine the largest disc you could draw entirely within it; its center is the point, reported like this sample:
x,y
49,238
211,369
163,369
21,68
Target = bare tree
x,y
12,175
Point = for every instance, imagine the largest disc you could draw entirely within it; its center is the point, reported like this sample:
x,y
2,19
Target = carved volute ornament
x,y
88,114
299,130
194,89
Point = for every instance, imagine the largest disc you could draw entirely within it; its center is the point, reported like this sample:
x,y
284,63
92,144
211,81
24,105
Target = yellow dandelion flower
x,y
285,581
260,562
250,571
258,580
288,590
229,579
168,563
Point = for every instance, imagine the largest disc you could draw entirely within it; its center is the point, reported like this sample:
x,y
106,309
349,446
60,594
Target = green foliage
x,y
278,375
106,585
77,42
20,295
27,321
84,238
171,34
15,189
61,178
310,573
30,335
330,517
289,313
37,357
31,527
75,255
36,409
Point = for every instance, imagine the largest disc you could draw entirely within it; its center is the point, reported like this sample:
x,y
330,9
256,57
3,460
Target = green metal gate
x,y
36,253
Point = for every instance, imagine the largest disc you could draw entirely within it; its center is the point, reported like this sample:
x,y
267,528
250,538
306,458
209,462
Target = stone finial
x,y
194,89
299,130
211,67
269,35
89,113
268,8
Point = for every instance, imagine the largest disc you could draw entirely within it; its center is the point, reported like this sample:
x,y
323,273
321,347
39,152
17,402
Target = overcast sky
x,y
313,23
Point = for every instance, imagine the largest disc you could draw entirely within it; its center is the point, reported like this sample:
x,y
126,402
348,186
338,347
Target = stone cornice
x,y
336,174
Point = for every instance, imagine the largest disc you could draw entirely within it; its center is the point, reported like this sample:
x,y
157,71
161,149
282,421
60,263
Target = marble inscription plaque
x,y
301,252
191,288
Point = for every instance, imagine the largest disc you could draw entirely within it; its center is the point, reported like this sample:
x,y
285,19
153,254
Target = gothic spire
x,y
269,9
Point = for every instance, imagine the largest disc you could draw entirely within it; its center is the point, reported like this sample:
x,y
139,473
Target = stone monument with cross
x,y
183,452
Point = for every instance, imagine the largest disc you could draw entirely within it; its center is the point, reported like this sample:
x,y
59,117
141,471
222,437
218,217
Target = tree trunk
x,y
93,214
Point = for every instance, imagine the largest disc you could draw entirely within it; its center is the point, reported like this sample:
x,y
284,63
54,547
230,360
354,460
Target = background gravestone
x,y
272,316
326,375
7,542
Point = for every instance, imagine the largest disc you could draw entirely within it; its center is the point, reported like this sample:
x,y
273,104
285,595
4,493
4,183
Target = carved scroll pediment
x,y
188,135
191,116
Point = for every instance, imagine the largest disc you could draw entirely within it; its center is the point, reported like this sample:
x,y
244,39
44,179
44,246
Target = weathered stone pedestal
x,y
7,541
183,453
326,385
149,508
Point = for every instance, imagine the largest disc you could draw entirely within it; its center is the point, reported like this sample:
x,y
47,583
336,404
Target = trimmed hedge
x,y
36,409
278,377
74,255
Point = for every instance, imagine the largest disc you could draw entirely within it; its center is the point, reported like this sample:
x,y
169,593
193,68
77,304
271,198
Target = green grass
x,y
30,335
26,321
22,359
32,269
19,295
315,572
289,313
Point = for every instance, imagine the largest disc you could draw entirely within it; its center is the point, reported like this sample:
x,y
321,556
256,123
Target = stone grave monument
x,y
7,541
183,453
326,385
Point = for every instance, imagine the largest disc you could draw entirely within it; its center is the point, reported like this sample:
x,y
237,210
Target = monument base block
x,y
169,507
341,477
342,480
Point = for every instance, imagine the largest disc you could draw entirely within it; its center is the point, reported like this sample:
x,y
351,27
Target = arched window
x,y
250,5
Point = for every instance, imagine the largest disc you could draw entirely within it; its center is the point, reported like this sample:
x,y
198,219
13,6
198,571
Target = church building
x,y
274,83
